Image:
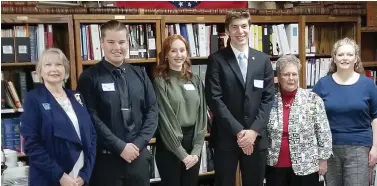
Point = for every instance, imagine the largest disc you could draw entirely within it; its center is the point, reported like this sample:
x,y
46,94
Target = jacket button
x,y
245,117
246,100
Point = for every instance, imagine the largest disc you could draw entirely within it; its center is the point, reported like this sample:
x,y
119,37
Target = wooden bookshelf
x,y
100,19
62,33
368,46
346,26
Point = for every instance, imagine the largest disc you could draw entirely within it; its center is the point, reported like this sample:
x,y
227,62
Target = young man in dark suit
x,y
123,105
239,90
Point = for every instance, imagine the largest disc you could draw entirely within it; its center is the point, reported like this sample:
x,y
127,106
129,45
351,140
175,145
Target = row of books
x,y
14,86
25,43
202,38
142,41
271,39
316,68
10,134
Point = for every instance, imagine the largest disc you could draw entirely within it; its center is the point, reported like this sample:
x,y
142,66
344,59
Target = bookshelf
x,y
327,30
62,29
87,19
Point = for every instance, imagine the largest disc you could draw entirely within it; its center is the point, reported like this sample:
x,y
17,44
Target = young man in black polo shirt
x,y
123,105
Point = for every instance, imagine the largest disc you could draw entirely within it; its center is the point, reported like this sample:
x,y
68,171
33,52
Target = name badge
x,y
189,86
108,87
258,83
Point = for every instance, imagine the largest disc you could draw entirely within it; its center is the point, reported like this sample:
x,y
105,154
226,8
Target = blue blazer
x,y
51,142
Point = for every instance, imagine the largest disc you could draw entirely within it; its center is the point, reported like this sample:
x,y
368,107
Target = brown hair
x,y
114,25
346,41
236,14
163,65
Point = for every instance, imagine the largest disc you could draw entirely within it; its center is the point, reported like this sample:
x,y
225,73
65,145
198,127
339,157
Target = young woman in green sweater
x,y
182,118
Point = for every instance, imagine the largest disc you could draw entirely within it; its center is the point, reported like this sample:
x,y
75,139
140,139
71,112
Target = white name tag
x,y
189,86
108,87
258,83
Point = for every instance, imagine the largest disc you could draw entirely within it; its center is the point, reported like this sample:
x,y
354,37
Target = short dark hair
x,y
113,25
236,14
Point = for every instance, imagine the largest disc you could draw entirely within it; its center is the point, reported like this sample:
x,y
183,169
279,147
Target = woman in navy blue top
x,y
60,138
351,105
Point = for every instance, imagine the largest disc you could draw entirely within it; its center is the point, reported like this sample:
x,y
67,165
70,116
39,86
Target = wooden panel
x,y
301,46
368,46
330,19
370,64
221,19
369,29
97,17
18,64
31,18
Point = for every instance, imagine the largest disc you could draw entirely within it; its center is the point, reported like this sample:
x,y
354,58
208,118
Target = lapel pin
x,y
78,98
46,106
252,58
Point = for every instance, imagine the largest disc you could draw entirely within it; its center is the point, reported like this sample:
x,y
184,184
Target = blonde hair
x,y
44,58
346,41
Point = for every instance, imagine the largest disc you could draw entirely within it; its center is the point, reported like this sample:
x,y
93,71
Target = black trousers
x,y
172,170
252,167
284,176
113,170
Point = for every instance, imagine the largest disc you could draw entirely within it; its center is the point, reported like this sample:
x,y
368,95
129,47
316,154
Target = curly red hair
x,y
163,65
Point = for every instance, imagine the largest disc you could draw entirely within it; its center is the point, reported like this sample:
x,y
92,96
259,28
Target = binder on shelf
x,y
7,50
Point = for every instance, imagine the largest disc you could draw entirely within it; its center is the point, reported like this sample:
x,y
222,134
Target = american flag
x,y
185,4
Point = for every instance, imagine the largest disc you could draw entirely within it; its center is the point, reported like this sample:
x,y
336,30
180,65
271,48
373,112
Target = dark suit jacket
x,y
235,105
51,142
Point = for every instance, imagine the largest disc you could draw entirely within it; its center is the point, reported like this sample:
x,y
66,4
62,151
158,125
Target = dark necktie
x,y
124,97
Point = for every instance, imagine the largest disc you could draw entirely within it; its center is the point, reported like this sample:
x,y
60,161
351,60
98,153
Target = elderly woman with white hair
x,y
59,136
298,131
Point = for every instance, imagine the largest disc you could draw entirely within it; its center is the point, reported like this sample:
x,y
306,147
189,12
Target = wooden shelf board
x,y
370,64
318,55
18,64
368,29
35,18
221,18
120,17
329,19
7,111
151,60
194,58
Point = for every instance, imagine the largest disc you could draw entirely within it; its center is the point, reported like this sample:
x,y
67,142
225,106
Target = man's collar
x,y
237,52
110,67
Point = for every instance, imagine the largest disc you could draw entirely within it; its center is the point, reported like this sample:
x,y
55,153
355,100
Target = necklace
x,y
288,104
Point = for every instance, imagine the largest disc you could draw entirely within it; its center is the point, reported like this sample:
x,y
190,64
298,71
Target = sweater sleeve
x,y
201,121
168,126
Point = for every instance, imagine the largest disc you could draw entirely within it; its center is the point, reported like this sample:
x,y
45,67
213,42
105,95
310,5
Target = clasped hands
x,y
130,152
190,161
67,180
246,139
